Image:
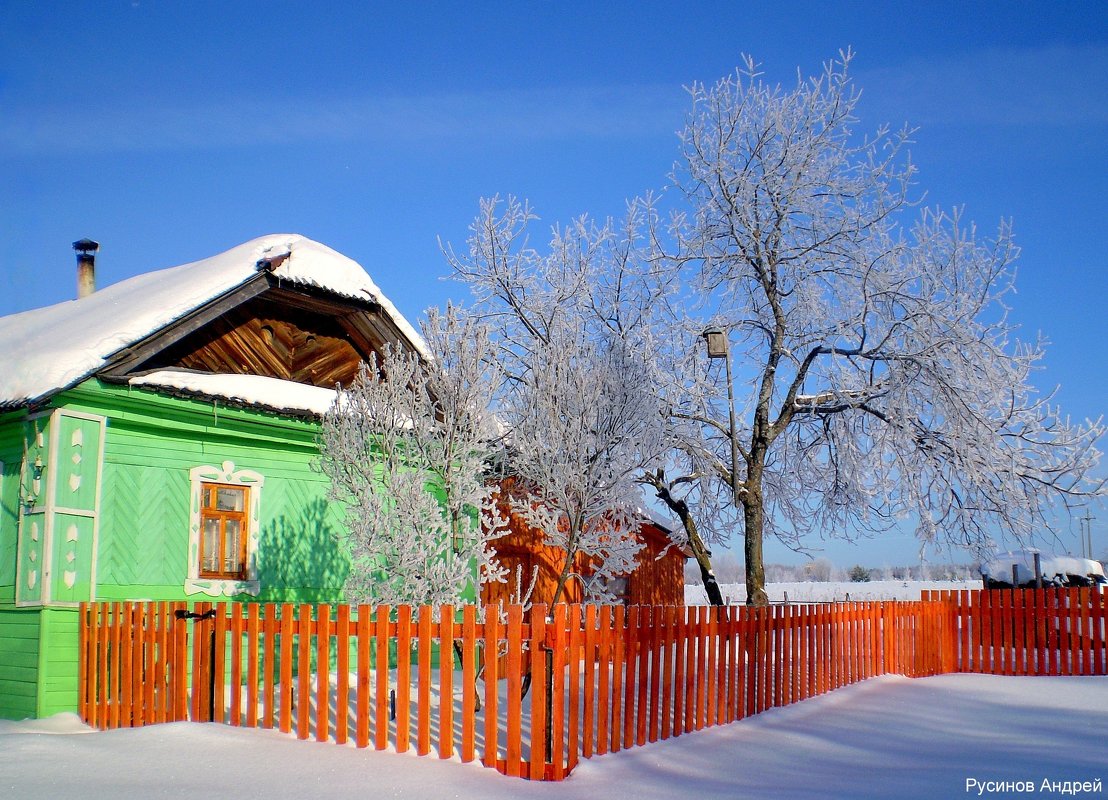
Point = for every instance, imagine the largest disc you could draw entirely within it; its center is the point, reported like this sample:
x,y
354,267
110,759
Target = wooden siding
x,y
11,457
58,656
522,550
152,443
19,667
659,578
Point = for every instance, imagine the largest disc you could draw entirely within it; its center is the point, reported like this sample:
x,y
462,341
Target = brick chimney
x,y
86,266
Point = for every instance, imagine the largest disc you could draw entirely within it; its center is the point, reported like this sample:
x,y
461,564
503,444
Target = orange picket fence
x,y
566,683
1027,631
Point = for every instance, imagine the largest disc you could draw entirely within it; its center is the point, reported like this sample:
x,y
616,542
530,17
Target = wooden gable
x,y
263,337
268,330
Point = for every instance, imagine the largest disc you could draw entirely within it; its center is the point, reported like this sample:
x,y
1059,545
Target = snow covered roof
x,y
1023,561
248,390
49,349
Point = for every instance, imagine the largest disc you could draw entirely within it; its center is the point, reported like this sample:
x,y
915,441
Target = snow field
x,y
886,737
830,591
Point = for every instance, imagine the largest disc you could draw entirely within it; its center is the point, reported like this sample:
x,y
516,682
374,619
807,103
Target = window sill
x,y
214,587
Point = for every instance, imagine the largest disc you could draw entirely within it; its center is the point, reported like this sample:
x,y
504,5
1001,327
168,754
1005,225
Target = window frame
x,y
199,581
209,493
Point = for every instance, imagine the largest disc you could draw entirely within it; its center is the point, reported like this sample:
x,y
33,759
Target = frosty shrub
x,y
407,447
582,420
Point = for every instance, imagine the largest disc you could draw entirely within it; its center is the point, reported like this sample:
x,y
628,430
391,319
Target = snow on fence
x,y
601,678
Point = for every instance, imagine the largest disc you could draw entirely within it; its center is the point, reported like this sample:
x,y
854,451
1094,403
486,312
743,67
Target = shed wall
x,y
655,581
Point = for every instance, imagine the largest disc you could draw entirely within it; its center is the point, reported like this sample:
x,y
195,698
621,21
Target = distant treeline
x,y
729,569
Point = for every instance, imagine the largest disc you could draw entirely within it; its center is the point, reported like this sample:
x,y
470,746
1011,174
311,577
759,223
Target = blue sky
x,y
171,131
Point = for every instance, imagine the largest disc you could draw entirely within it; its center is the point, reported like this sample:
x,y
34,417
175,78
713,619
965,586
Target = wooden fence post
x,y
423,690
217,643
446,681
592,658
680,680
378,695
557,640
322,672
269,663
576,695
492,663
363,635
469,682
514,666
632,674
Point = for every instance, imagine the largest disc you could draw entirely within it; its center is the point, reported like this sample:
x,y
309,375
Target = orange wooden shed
x,y
658,579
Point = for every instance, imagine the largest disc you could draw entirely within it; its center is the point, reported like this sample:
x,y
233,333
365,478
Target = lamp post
x,y
719,346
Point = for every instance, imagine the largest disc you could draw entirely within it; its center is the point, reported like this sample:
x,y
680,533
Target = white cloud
x,y
575,112
1048,86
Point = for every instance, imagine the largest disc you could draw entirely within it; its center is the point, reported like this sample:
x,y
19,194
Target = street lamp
x,y
719,347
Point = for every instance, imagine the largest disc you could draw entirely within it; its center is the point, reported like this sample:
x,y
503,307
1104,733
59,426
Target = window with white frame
x,y
223,530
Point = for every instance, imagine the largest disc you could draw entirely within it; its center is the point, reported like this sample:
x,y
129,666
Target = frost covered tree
x,y
407,448
596,287
877,376
581,424
581,418
873,377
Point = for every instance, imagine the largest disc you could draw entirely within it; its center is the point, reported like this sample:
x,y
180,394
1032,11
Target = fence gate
x,y
201,634
133,664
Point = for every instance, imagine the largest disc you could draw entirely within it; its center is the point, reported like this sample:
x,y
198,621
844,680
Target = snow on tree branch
x,y
407,448
877,373
873,375
582,419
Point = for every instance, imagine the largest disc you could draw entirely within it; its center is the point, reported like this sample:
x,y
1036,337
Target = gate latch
x,y
181,613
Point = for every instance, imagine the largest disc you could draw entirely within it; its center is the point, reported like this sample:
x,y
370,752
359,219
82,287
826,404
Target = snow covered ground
x,y
829,591
889,737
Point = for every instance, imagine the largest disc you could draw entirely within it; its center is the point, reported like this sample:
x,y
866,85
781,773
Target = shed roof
x,y
50,349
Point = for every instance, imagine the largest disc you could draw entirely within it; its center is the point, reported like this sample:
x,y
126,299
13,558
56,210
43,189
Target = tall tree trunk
x,y
563,577
711,585
571,558
754,520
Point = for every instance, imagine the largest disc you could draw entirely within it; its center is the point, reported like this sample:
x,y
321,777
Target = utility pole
x,y
1087,534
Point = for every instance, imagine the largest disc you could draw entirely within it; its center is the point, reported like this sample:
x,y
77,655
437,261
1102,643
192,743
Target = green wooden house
x,y
156,442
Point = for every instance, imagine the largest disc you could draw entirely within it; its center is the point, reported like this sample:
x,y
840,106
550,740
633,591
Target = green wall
x,y
19,663
150,444
57,687
11,456
38,667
